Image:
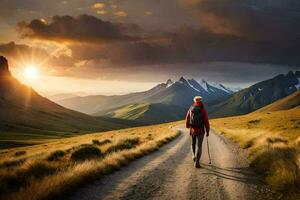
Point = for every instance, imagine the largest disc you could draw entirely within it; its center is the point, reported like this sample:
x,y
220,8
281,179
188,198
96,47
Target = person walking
x,y
197,122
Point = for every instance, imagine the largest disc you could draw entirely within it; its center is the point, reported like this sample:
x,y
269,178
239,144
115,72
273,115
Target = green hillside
x,y
41,119
25,115
286,103
148,113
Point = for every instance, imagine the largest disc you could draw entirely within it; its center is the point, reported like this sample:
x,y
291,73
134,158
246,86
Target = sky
x,y
122,46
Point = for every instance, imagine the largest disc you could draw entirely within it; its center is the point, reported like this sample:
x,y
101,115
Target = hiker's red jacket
x,y
198,131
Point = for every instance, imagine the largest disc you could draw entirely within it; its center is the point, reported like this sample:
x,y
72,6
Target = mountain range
x,y
220,100
256,96
178,93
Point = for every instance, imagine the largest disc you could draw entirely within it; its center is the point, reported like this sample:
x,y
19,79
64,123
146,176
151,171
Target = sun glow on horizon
x,y
31,72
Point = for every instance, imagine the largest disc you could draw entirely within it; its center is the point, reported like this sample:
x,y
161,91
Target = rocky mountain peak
x,y
4,71
290,74
169,82
183,80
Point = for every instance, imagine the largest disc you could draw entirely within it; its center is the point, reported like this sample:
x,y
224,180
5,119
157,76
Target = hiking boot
x,y
197,165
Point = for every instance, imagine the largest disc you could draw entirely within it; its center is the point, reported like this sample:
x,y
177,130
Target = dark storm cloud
x,y
189,45
262,30
83,28
275,21
256,31
174,39
232,41
233,31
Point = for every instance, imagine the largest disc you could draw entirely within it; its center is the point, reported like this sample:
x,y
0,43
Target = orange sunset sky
x,y
122,46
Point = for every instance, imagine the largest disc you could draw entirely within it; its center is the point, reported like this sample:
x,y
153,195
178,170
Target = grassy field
x,y
148,113
272,140
51,169
22,135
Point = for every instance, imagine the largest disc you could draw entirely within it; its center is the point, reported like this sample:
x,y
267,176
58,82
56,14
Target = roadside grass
x,y
273,144
56,155
123,144
51,171
103,142
88,152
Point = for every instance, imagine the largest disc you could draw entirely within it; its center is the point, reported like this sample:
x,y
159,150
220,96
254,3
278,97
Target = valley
x,y
150,100
44,144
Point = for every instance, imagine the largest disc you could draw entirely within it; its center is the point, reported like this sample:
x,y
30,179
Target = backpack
x,y
196,120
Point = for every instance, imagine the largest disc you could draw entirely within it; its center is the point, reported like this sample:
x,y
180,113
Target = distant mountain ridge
x,y
256,96
219,100
179,93
61,96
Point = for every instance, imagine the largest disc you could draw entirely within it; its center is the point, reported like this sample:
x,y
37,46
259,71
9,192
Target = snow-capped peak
x,y
204,84
191,85
201,87
222,87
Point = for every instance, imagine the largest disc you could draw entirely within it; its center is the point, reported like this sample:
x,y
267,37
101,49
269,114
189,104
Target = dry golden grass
x,y
272,142
49,170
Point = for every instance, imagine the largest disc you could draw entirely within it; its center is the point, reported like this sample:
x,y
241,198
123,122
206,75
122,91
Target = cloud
x,y
155,59
186,45
20,55
149,13
15,51
113,6
121,13
223,31
99,5
101,12
271,21
83,28
118,45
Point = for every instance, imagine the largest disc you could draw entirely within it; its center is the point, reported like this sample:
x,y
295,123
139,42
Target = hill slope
x,y
256,96
149,113
53,169
286,103
25,111
271,137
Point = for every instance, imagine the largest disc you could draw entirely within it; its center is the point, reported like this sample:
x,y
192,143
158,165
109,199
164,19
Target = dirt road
x,y
169,174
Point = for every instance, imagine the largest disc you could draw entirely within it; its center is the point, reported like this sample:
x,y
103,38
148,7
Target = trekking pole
x,y
208,150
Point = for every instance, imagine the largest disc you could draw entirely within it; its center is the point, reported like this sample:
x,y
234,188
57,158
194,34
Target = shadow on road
x,y
234,174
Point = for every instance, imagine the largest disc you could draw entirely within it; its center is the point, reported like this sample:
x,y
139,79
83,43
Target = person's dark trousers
x,y
197,146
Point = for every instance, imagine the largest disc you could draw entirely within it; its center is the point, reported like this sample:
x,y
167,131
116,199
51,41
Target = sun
x,y
31,72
